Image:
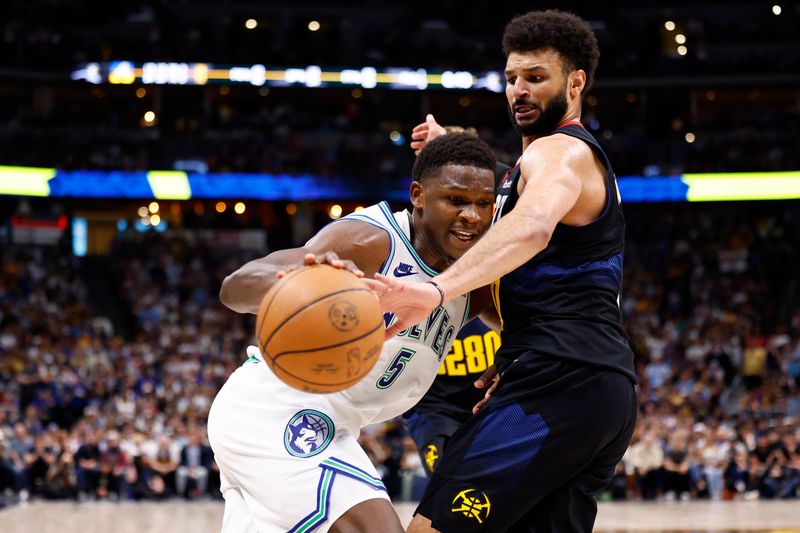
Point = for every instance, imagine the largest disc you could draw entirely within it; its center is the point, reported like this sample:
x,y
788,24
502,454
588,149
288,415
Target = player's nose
x,y
519,89
470,214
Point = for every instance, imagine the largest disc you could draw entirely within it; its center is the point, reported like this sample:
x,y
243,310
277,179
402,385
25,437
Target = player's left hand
x,y
490,376
410,302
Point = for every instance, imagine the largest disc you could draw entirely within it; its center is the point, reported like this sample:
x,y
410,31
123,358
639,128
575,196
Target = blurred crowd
x,y
86,414
743,37
729,93
711,303
333,133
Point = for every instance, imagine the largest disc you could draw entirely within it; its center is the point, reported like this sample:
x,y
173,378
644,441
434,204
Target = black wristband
x,y
441,291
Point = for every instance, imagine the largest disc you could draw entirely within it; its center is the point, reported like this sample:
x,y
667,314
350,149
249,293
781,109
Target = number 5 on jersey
x,y
395,368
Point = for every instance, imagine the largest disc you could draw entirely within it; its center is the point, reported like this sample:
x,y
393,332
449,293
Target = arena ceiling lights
x,y
164,73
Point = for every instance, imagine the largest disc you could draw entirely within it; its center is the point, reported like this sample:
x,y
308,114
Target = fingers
x,y
330,258
326,258
381,285
420,132
390,283
484,401
489,391
351,267
375,286
479,405
486,378
422,127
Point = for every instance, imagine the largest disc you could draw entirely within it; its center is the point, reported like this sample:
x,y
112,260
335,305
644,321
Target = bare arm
x,y
358,245
552,168
553,172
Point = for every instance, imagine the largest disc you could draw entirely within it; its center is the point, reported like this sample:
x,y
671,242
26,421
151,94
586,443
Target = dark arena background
x,y
148,149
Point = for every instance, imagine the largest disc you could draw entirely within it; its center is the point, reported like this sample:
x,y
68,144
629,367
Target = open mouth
x,y
523,111
464,236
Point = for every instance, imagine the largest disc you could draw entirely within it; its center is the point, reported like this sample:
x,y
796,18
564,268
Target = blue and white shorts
x,y
289,462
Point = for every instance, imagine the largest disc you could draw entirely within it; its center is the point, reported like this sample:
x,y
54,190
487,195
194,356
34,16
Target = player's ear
x,y
417,194
577,83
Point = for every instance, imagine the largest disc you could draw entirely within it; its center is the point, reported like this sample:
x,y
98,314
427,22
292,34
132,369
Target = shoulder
x,y
365,244
558,157
348,233
564,147
353,231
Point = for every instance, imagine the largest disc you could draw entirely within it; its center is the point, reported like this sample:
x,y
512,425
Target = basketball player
x,y
290,461
563,412
453,394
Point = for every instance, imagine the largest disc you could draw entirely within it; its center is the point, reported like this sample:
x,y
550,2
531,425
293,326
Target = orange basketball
x,y
320,329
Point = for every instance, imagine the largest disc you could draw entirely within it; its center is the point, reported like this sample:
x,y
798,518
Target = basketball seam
x,y
345,383
266,308
317,349
301,309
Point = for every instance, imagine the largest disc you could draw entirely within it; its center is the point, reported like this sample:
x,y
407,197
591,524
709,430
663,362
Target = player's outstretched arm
x,y
551,169
349,244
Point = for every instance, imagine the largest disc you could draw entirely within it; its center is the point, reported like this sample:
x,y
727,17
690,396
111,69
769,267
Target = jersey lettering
x,y
443,335
396,367
432,318
499,204
413,332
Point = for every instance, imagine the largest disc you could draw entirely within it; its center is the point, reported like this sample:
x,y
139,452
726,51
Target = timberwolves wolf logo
x,y
308,433
472,506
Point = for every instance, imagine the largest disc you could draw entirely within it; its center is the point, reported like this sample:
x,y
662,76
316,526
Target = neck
x,y
569,117
425,247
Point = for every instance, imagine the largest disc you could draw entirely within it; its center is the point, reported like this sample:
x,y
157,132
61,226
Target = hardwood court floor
x,y
206,517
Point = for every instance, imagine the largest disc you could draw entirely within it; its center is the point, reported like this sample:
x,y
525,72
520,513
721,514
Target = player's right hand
x,y
327,258
490,376
425,132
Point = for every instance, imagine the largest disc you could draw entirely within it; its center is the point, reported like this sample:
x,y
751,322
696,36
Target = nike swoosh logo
x,y
401,273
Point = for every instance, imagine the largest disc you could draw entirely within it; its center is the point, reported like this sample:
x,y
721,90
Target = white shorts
x,y
288,461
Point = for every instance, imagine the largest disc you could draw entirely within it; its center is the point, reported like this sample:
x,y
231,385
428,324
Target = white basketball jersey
x,y
408,362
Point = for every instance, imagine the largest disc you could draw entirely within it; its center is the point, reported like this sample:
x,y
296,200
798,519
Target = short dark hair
x,y
452,149
567,34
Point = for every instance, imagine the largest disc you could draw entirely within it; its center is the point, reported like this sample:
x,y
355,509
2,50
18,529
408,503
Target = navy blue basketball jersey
x,y
453,393
564,302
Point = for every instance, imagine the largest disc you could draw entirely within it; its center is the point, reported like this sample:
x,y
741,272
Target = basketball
x,y
320,329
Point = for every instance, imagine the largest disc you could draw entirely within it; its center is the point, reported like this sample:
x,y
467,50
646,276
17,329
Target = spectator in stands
x,y
676,467
87,459
647,459
20,446
61,480
160,467
196,459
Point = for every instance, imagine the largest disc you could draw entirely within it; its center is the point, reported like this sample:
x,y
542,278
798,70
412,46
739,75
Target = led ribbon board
x,y
179,185
174,73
